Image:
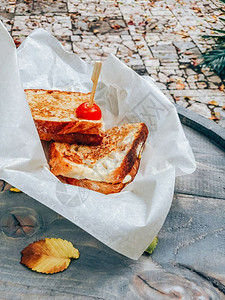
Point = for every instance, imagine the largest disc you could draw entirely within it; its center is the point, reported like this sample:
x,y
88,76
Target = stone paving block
x,y
143,48
66,44
202,84
93,8
200,108
212,85
98,25
214,79
59,25
161,11
130,45
168,70
7,20
192,85
161,85
155,77
7,6
160,38
168,95
152,62
200,96
50,6
183,46
24,7
152,71
163,78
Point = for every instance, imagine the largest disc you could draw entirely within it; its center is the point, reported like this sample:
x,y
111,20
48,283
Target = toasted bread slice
x,y
54,114
100,186
108,163
84,139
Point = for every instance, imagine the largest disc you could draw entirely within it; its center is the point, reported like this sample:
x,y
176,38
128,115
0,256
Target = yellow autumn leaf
x,y
213,102
13,189
180,86
49,255
214,118
221,87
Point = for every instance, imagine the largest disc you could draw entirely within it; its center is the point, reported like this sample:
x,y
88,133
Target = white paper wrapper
x,y
128,221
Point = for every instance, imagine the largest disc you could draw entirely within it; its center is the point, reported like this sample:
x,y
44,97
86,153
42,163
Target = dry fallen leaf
x,y
221,87
131,22
183,33
180,86
214,118
17,43
13,189
188,53
213,102
49,255
116,26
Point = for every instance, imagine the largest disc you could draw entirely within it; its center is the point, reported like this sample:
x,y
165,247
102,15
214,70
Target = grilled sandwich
x,y
105,168
54,114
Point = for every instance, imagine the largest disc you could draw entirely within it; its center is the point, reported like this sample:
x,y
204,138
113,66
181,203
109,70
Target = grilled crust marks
x,y
79,138
60,166
78,126
131,157
100,186
61,105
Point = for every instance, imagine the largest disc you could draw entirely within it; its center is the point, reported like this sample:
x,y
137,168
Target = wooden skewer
x,y
94,78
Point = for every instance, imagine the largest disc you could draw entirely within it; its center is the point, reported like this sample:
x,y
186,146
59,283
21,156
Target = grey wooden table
x,y
188,263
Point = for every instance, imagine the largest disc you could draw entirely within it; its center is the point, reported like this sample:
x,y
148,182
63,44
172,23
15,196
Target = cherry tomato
x,y
89,113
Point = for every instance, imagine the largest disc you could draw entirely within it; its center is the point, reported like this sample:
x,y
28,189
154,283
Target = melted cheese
x,y
101,169
127,179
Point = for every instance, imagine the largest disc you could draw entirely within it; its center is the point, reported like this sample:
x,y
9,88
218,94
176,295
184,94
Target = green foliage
x,y
214,59
152,246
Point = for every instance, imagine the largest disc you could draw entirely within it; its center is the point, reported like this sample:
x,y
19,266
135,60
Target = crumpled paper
x,y
128,221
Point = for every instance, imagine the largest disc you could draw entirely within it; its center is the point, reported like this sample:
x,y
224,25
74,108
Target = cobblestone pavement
x,y
162,39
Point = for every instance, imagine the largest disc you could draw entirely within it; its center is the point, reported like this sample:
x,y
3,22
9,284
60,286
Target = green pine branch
x,y
218,38
215,60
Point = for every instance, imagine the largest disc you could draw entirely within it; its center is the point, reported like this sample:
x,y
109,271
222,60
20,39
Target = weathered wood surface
x,y
209,178
188,263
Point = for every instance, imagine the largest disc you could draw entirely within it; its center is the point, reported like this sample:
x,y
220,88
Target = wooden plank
x,y
209,178
203,125
192,233
188,262
193,237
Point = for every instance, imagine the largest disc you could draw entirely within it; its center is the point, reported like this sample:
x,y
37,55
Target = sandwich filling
x,y
97,163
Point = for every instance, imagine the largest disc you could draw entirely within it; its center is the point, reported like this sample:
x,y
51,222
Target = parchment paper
x,y
128,221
